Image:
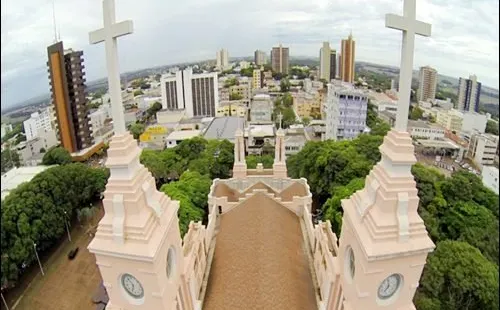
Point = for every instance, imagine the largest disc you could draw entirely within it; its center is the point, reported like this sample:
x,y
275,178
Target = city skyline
x,y
299,26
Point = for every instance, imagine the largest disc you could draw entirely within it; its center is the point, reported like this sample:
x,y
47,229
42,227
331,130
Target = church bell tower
x,y
384,242
137,246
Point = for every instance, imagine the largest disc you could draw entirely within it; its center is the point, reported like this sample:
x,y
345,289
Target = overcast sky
x,y
464,34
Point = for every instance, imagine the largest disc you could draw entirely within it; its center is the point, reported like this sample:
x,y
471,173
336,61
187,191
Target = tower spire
x,y
54,21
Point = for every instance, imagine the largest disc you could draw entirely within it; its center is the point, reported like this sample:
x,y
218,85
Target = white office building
x,y
261,108
346,109
97,121
197,94
38,120
489,176
473,121
145,102
482,149
424,130
30,151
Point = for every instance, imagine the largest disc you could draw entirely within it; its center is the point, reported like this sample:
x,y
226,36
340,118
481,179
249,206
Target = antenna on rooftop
x,y
54,21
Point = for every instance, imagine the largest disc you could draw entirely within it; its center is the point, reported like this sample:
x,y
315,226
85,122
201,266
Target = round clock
x,y
389,286
132,286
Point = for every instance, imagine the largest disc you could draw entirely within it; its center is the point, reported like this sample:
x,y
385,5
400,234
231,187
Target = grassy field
x,y
67,284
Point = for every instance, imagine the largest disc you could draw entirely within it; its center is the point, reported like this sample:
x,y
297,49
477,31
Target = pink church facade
x,y
375,264
260,248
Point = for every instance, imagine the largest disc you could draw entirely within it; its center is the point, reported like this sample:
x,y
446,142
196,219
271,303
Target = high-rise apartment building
x,y
427,84
324,61
280,59
327,62
195,93
222,59
67,83
333,64
347,60
346,109
469,91
259,58
258,78
38,120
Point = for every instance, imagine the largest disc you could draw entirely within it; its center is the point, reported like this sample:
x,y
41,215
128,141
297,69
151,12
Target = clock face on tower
x,y
389,286
132,286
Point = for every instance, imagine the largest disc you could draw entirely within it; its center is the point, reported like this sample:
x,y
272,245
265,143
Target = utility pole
x,y
66,224
38,259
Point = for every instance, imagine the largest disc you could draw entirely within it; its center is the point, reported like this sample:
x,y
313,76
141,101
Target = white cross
x,y
410,27
108,34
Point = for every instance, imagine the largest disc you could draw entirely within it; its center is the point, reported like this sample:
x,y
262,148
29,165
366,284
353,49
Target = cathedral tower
x,y
138,246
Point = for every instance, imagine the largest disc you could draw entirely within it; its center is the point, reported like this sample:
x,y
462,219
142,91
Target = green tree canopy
x,y
154,108
136,129
247,71
34,212
10,159
332,209
214,158
329,164
191,190
56,156
231,82
235,96
416,113
492,127
474,224
284,85
266,160
457,276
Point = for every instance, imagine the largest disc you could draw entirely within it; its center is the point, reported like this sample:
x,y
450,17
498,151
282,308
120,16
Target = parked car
x,y
73,253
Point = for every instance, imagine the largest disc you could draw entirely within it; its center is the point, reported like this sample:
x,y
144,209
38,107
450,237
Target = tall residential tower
x,y
259,58
348,54
222,59
279,59
67,83
469,91
328,62
427,84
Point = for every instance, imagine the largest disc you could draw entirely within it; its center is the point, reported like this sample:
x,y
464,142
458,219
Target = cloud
x,y
464,34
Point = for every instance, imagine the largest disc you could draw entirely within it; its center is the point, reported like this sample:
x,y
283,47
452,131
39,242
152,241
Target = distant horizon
x,y
22,103
194,30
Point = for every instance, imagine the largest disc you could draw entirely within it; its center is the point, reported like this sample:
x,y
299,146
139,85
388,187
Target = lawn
x,y
67,284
